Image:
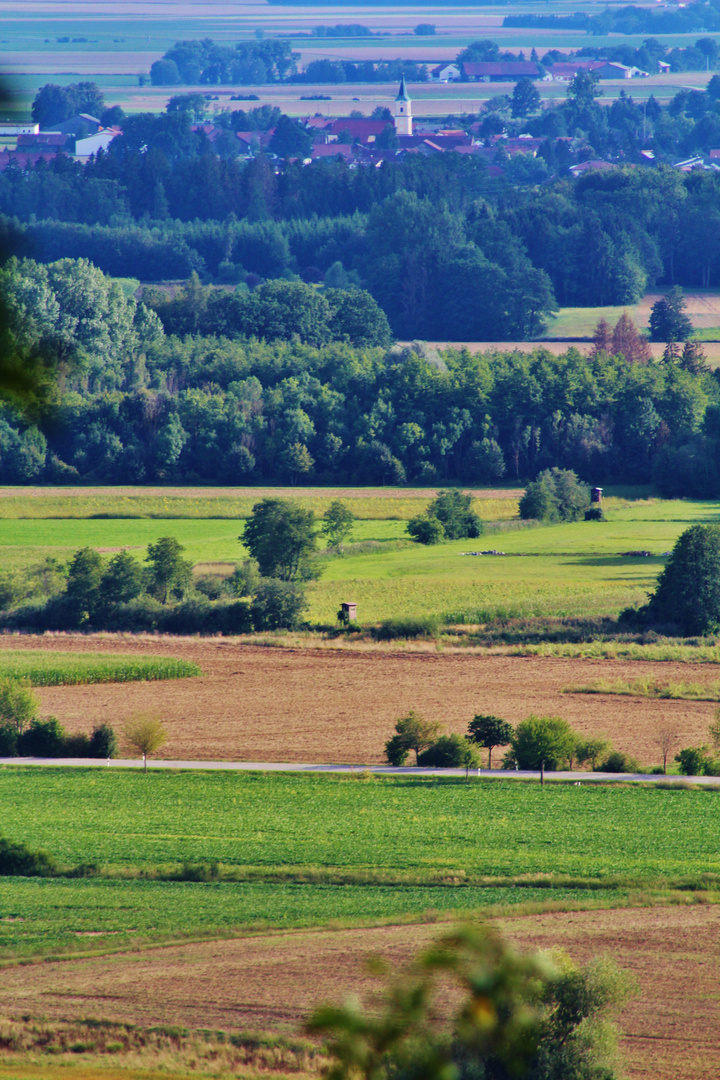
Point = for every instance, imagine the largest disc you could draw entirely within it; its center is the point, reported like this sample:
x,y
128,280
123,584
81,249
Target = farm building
x,y
445,73
604,69
499,71
92,143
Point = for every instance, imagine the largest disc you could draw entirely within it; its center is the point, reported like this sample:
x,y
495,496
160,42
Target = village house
x,y
500,70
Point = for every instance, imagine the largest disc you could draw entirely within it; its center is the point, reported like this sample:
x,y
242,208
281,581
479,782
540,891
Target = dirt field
x,y
257,703
671,1029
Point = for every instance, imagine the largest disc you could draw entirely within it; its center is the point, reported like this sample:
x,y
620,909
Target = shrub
x,y
595,513
556,495
452,510
426,529
390,629
103,742
18,704
617,762
44,738
548,739
693,761
76,746
17,859
450,752
8,740
278,605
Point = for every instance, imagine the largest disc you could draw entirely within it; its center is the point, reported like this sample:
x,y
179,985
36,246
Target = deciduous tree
x,y
280,535
490,731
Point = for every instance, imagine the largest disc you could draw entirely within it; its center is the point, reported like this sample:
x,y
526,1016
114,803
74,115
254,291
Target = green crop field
x,y
575,569
73,669
305,850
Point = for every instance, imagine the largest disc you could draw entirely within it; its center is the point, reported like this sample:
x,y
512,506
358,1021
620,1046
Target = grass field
x,y
568,570
316,850
71,669
702,306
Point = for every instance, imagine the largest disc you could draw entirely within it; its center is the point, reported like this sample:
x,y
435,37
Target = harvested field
x,y
258,703
671,1029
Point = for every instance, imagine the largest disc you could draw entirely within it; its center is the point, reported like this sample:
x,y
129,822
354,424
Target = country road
x,y
382,770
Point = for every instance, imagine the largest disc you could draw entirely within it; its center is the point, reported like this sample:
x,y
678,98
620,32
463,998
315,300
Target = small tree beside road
x,y
490,731
145,734
543,742
411,733
667,739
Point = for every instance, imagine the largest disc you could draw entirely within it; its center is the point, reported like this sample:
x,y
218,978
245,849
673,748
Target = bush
x,y
278,605
693,761
76,746
17,859
548,739
44,738
103,742
556,495
8,740
426,529
450,752
452,510
617,762
595,513
391,629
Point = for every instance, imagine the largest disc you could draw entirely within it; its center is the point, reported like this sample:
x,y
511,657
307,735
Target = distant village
x,y
367,141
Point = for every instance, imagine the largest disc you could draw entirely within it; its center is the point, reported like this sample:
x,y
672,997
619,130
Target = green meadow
x,y
306,850
567,570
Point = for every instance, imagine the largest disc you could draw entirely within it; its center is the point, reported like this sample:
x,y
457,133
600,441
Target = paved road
x,y
382,770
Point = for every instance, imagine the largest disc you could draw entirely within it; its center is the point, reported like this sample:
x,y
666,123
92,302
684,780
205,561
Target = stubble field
x,y
271,982
258,703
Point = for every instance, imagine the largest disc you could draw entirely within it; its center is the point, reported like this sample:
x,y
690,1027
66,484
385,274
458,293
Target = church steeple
x,y
403,110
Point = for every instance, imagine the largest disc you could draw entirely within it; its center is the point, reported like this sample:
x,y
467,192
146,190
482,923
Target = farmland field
x,y
271,981
302,703
309,850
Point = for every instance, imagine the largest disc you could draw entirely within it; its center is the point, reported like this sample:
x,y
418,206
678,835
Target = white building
x,y
445,73
92,143
403,111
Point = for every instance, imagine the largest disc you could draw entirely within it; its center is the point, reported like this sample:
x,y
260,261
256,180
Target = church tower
x,y
403,111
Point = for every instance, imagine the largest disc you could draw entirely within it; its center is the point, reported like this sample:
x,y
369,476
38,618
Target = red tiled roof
x,y
359,129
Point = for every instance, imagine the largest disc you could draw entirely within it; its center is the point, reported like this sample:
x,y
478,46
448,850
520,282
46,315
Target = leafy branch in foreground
x,y
520,1016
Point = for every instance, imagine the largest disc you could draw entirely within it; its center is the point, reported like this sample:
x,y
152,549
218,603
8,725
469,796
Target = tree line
x,y
134,403
408,233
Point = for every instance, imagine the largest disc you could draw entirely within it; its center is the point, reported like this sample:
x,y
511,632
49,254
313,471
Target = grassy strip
x,y
650,688
612,650
401,506
41,668
74,1045
60,916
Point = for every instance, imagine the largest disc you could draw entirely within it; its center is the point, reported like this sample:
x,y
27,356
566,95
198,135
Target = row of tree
x,y
538,743
410,233
134,404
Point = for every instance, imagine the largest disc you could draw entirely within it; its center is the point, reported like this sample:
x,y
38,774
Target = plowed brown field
x,y
257,703
671,1030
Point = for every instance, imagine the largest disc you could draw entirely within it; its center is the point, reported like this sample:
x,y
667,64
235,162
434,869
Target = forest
x,y
136,403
